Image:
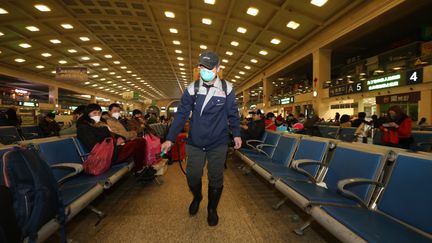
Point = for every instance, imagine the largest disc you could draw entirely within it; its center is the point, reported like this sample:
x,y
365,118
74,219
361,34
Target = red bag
x,y
99,159
389,136
152,149
178,151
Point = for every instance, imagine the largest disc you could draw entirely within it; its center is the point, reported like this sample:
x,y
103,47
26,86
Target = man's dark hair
x,y
136,112
79,110
270,115
362,115
51,115
110,107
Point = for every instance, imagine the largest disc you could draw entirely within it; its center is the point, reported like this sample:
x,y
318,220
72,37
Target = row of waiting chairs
x,y
11,134
359,192
422,139
65,156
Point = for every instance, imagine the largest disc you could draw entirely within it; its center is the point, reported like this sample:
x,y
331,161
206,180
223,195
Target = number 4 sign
x,y
414,76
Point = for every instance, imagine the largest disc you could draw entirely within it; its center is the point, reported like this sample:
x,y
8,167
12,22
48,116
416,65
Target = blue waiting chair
x,y
422,141
31,132
402,213
9,135
347,134
328,131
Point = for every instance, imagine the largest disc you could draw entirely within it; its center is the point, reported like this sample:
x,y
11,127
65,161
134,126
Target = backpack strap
x,y
224,87
196,89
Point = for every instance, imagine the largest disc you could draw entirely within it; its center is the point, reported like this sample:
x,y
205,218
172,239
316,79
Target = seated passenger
x,y
49,125
91,131
270,121
116,126
345,121
361,119
12,119
422,123
71,129
136,123
397,132
291,120
254,129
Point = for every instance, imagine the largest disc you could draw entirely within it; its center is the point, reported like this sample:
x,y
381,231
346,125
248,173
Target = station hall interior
x,y
305,59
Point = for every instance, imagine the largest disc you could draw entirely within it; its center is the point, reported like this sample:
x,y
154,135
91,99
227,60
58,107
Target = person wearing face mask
x,y
91,131
116,126
214,110
397,131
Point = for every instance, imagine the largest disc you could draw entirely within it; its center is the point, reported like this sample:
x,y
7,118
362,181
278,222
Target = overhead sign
x,y
414,76
287,100
412,97
71,74
346,89
383,82
28,104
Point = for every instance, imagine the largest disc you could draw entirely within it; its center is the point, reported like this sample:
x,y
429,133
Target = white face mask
x,y
116,115
96,118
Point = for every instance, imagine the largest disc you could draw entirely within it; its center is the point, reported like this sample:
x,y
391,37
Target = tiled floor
x,y
158,213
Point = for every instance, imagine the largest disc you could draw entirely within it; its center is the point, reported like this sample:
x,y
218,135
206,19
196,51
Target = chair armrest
x,y
296,164
259,146
354,181
249,143
77,168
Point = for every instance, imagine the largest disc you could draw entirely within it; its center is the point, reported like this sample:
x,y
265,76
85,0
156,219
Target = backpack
x,y
197,85
100,158
35,191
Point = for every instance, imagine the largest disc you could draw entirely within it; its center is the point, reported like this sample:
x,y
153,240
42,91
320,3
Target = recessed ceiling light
x,y
129,71
108,56
84,38
94,85
72,51
203,47
229,53
54,72
55,41
96,64
318,3
242,73
111,73
225,60
1,34
254,60
3,11
233,80
182,69
183,73
102,79
85,58
87,82
134,75
67,26
237,77
62,62
211,2
234,43
178,51
97,48
95,76
181,64
222,66
293,25
173,30
180,58
169,14
252,11
275,41
247,67
46,54
241,30
104,69
123,67
25,45
116,62
40,66
176,42
206,21
32,28
42,8
263,52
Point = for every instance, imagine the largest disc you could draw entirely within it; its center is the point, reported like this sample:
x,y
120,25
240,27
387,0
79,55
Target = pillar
x,y
53,95
321,70
246,99
93,99
267,91
425,105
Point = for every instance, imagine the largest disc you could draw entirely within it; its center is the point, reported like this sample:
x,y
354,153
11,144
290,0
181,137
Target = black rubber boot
x,y
194,206
214,195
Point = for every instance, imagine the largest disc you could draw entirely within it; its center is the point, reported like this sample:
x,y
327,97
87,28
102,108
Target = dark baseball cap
x,y
209,59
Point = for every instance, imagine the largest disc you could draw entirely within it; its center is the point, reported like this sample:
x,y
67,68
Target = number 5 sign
x,y
414,76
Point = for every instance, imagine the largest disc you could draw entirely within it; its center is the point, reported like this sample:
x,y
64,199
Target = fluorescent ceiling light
x,y
3,11
178,51
180,58
233,80
252,11
247,67
225,60
176,42
203,47
211,2
42,8
129,71
254,60
96,64
241,30
181,64
102,79
123,67
318,3
182,69
25,45
293,25
1,34
116,62
206,21
104,69
55,41
46,54
173,30
275,41
95,76
111,73
229,53
169,14
134,75
97,48
67,26
237,77
84,38
40,66
222,66
242,73
32,28
62,62
87,82
85,58
72,51
234,43
108,56
263,52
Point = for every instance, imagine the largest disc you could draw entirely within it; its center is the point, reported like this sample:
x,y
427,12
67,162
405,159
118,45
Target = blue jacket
x,y
212,114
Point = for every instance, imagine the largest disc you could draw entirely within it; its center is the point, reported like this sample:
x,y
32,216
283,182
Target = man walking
x,y
214,109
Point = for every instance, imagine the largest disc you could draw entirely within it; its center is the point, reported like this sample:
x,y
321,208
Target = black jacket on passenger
x,y
255,130
89,134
